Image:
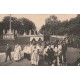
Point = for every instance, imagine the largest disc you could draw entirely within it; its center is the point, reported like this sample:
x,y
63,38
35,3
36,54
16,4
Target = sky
x,y
39,19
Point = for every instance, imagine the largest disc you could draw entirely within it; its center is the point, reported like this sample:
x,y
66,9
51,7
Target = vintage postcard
x,y
39,39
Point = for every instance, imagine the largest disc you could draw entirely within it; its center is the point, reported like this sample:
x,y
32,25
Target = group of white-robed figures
x,y
34,52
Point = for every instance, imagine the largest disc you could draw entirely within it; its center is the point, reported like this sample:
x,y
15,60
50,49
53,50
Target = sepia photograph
x,y
39,39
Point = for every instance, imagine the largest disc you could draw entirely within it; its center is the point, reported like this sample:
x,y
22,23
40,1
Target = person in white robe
x,y
56,54
59,53
56,50
17,52
59,49
25,51
29,47
44,52
34,56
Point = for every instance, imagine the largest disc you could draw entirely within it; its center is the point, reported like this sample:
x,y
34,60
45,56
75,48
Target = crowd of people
x,y
54,53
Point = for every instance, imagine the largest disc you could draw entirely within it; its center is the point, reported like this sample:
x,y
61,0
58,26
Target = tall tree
x,y
51,25
25,25
6,23
21,25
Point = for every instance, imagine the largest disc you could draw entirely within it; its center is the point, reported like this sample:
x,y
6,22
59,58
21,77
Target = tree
x,y
21,25
54,26
63,27
71,27
25,25
51,25
5,24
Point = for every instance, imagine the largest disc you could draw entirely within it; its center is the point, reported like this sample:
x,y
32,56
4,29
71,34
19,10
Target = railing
x,y
8,36
29,35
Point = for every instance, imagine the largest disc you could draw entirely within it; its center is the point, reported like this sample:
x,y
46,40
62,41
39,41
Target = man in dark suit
x,y
50,55
8,52
64,50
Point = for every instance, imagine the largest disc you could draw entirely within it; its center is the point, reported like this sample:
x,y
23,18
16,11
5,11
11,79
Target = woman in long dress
x,y
59,58
34,56
56,54
17,52
29,51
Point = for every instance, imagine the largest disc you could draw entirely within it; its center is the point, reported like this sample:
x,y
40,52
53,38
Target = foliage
x,y
21,25
55,26
51,25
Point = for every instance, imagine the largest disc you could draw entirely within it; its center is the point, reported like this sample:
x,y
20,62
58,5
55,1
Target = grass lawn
x,y
72,55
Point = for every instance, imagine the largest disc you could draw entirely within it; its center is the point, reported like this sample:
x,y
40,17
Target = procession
x,y
53,53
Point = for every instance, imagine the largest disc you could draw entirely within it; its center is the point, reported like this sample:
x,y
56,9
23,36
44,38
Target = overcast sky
x,y
39,19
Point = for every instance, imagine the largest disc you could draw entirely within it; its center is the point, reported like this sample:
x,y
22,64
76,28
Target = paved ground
x,y
72,55
23,62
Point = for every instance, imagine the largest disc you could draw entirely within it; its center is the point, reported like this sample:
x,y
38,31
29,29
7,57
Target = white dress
x,y
35,57
17,55
59,49
25,49
29,49
44,51
56,51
